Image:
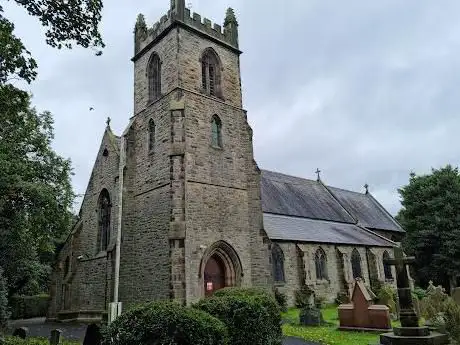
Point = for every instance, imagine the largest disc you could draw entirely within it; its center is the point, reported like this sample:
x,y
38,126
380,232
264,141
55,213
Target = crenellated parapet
x,y
178,13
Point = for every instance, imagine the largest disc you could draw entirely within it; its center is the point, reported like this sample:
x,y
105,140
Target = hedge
x,y
26,307
165,323
252,316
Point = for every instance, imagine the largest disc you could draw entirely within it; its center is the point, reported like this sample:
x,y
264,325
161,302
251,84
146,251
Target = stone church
x,y
176,207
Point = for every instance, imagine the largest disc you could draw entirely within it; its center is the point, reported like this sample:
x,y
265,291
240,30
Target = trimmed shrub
x,y
342,298
165,323
433,303
387,295
26,307
252,316
281,299
419,293
302,296
4,310
452,320
236,291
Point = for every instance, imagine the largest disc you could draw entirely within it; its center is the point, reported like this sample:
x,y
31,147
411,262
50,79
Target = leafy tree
x,y
67,23
35,192
431,216
4,311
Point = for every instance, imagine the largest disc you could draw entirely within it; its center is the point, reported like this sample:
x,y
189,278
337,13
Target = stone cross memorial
x,y
407,314
409,332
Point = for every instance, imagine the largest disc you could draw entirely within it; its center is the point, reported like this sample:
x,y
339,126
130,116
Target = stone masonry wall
x,y
89,283
145,257
191,48
325,288
167,51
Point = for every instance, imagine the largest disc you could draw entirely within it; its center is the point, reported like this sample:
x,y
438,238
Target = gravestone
x,y
362,313
93,335
55,337
21,332
456,295
410,332
310,315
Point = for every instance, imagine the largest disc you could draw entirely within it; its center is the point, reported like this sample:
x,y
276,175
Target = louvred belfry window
x,y
210,73
154,76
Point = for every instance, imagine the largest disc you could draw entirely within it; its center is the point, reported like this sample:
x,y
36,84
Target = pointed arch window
x,y
66,266
104,220
278,263
152,133
321,264
210,72
216,132
386,267
154,77
356,264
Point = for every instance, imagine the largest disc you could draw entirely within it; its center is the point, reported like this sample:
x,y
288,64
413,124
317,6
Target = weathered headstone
x,y
21,332
93,335
311,316
55,337
361,313
456,295
409,332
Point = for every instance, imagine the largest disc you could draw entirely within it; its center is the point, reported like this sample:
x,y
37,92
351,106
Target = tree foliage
x,y
431,216
67,22
4,310
35,191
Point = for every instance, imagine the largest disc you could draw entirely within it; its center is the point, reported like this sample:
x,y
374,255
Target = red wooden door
x,y
214,275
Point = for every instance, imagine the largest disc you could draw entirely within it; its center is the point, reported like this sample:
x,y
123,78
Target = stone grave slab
x,y
456,295
55,337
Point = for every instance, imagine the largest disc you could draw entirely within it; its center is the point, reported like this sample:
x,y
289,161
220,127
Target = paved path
x,y
39,328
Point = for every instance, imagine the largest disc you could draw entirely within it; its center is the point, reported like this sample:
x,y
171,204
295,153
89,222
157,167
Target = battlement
x,y
228,34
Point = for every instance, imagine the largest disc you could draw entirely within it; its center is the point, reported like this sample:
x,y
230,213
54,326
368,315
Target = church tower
x,y
192,216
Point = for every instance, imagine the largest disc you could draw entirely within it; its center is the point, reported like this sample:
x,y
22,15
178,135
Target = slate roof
x,y
288,228
366,209
305,210
294,196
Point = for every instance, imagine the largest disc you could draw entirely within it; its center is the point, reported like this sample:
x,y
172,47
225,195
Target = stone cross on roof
x,y
317,173
366,187
407,313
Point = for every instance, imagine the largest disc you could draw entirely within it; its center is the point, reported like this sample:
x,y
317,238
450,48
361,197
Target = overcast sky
x,y
366,91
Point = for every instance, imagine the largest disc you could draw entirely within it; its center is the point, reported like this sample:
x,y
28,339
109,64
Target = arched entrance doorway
x,y
214,275
220,267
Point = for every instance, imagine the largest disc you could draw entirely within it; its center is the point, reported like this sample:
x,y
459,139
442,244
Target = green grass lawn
x,y
327,335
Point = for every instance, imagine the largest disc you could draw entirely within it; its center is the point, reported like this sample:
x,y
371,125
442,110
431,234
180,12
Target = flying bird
x,y
91,108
